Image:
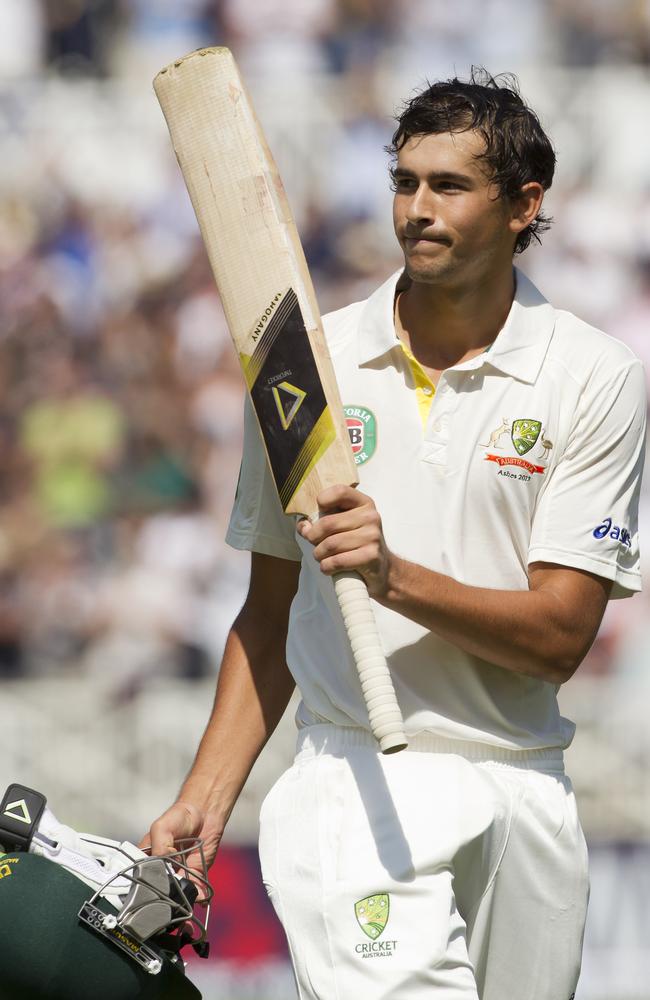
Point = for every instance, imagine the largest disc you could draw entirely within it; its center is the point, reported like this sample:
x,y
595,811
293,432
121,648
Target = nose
x,y
420,207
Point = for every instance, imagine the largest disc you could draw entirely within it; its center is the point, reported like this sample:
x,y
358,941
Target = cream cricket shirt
x,y
532,451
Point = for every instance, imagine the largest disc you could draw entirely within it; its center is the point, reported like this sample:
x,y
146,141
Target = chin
x,y
424,272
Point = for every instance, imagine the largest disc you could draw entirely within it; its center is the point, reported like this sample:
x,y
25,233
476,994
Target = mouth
x,y
423,242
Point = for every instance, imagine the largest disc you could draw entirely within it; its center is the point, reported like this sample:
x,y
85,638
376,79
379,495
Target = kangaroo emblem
x,y
495,435
546,446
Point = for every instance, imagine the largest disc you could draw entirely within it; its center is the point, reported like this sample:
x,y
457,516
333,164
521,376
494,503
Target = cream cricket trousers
x,y
451,870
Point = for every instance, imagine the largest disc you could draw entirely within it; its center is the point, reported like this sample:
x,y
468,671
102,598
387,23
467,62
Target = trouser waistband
x,y
330,739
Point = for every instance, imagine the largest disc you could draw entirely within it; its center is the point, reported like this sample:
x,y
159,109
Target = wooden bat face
x,y
261,273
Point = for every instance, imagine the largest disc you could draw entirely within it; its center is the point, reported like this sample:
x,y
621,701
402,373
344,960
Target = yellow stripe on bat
x,y
320,438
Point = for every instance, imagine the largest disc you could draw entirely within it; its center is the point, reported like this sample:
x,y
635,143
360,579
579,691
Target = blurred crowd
x,y
120,423
105,37
121,398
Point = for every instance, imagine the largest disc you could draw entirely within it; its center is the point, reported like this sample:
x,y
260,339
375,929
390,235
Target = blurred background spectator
x,y
121,398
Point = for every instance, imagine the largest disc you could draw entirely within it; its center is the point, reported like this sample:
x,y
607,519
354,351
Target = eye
x,y
400,182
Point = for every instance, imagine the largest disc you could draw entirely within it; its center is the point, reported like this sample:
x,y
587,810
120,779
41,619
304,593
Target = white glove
x,y
92,859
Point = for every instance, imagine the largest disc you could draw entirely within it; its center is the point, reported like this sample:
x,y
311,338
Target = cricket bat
x,y
268,298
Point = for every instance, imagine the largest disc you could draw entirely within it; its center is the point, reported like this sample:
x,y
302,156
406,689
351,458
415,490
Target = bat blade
x,y
270,305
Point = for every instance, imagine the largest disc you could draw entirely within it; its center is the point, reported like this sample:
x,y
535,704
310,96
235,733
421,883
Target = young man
x,y
500,445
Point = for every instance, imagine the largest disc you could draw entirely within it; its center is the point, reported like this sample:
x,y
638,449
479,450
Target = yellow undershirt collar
x,y
424,388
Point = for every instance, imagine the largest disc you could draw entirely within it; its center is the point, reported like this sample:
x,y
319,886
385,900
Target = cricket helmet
x,y
85,917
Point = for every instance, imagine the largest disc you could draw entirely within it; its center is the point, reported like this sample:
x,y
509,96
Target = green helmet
x,y
83,917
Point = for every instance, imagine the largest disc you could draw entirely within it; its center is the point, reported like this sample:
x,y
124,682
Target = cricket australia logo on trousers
x,y
372,914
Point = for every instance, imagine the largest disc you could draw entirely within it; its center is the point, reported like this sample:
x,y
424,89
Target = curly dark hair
x,y
517,150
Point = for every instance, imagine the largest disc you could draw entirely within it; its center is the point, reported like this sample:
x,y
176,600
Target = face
x,y
449,219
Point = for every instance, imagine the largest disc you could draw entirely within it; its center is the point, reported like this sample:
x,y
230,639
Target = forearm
x,y
253,691
543,631
529,632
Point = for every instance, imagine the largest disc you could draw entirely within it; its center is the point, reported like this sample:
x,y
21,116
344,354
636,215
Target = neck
x,y
443,326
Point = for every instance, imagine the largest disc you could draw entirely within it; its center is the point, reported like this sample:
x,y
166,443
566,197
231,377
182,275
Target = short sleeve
x,y
257,521
587,516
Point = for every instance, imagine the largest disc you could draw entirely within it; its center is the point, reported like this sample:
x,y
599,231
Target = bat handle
x,y
384,713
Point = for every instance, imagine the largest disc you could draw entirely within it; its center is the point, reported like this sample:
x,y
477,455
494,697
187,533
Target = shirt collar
x,y
377,327
518,350
522,343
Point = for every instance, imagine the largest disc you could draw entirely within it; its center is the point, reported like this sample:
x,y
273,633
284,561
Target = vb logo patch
x,y
362,428
372,914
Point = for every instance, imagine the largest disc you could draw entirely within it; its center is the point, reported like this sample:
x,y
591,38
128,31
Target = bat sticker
x,y
305,428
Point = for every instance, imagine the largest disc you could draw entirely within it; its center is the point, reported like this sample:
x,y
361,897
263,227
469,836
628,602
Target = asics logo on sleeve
x,y
622,535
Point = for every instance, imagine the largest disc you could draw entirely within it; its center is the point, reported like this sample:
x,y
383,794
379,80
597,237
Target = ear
x,y
525,208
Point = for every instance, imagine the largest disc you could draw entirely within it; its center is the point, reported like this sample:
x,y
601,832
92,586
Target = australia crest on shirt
x,y
519,447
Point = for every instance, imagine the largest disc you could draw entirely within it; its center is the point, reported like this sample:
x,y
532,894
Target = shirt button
x,y
427,390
